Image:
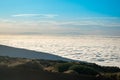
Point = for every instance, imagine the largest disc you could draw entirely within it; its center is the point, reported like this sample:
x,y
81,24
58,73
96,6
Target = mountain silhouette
x,y
24,53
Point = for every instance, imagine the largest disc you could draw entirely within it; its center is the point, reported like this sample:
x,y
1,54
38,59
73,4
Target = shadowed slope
x,y
23,53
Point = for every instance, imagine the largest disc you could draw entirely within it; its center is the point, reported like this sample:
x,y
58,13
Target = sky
x,y
73,17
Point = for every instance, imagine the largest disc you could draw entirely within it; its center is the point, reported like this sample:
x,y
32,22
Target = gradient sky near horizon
x,y
74,17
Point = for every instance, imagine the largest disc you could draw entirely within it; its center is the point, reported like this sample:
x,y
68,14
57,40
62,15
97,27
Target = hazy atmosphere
x,y
73,17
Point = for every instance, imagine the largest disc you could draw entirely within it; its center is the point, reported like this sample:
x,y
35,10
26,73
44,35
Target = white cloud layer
x,y
36,15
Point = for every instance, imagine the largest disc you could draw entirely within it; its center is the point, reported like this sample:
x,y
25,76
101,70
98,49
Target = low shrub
x,y
84,70
61,67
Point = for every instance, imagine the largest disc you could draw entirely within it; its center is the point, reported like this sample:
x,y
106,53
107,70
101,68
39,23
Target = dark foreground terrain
x,y
38,69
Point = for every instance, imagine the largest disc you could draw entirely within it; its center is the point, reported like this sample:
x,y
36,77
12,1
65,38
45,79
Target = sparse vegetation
x,y
61,67
84,70
21,67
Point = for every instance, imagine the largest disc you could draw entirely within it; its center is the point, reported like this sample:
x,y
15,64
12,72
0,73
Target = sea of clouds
x,y
97,49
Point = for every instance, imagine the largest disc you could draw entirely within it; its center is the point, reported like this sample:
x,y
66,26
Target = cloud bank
x,y
107,25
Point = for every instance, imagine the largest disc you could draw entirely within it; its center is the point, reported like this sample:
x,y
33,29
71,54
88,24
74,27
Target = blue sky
x,y
60,17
